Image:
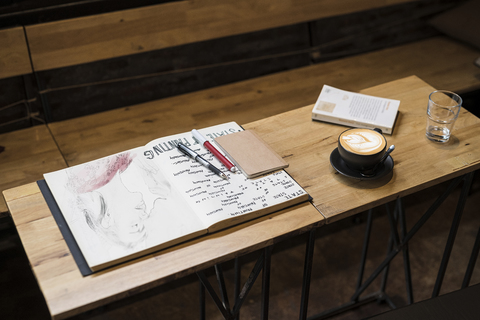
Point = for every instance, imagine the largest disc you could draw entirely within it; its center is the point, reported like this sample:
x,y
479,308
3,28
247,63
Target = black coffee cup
x,y
361,149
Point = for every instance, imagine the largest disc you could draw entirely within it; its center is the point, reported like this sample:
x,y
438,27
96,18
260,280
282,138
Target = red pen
x,y
203,141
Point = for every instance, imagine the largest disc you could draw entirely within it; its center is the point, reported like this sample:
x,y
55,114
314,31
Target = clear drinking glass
x,y
443,109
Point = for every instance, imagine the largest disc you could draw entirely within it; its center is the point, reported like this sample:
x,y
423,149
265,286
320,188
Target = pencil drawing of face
x,y
110,208
121,221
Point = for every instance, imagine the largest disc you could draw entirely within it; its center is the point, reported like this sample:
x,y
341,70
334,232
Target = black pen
x,y
192,154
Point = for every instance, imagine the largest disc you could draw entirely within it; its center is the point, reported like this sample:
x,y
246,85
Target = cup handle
x,y
378,130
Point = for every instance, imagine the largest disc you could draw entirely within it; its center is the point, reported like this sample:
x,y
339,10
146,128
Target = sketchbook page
x,y
213,198
120,207
254,198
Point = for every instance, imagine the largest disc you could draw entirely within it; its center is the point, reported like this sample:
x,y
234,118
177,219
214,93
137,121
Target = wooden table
x,y
306,145
67,293
418,164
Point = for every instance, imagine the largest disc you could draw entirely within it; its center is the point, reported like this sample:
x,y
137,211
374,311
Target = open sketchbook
x,y
148,198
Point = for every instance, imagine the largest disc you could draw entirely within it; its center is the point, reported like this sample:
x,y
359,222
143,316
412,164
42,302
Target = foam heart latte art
x,y
362,141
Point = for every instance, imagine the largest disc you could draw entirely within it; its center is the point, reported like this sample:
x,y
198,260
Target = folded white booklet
x,y
355,109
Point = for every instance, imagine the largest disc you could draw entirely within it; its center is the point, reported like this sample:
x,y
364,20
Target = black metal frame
x,y
263,264
396,244
398,241
472,261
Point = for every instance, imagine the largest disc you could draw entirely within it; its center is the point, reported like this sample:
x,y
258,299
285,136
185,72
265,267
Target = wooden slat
x,y
91,137
87,39
418,162
109,84
68,293
28,154
14,59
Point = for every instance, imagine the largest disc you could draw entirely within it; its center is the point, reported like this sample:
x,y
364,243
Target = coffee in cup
x,y
361,149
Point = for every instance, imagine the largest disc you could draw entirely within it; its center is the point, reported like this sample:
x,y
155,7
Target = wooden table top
x,y
418,162
67,293
306,145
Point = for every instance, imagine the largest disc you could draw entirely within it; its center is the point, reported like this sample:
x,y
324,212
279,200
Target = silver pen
x,y
192,154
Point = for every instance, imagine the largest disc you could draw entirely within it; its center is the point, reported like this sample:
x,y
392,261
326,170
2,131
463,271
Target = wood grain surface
x,y
81,40
14,56
28,154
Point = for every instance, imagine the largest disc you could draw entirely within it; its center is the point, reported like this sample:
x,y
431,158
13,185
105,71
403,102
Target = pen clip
x,y
183,148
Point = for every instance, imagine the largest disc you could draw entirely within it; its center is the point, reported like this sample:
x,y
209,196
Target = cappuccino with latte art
x,y
362,141
361,149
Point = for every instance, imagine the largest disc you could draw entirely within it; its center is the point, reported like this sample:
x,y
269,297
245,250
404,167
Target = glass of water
x,y
443,109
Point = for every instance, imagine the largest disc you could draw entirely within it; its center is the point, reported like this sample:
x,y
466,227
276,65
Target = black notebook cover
x,y
64,229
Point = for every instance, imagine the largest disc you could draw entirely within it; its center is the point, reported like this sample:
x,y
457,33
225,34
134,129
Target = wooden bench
x,y
14,56
86,138
86,39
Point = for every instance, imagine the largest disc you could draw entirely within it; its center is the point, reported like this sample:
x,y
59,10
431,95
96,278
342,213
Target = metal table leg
x,y
399,242
307,274
473,260
452,234
222,303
